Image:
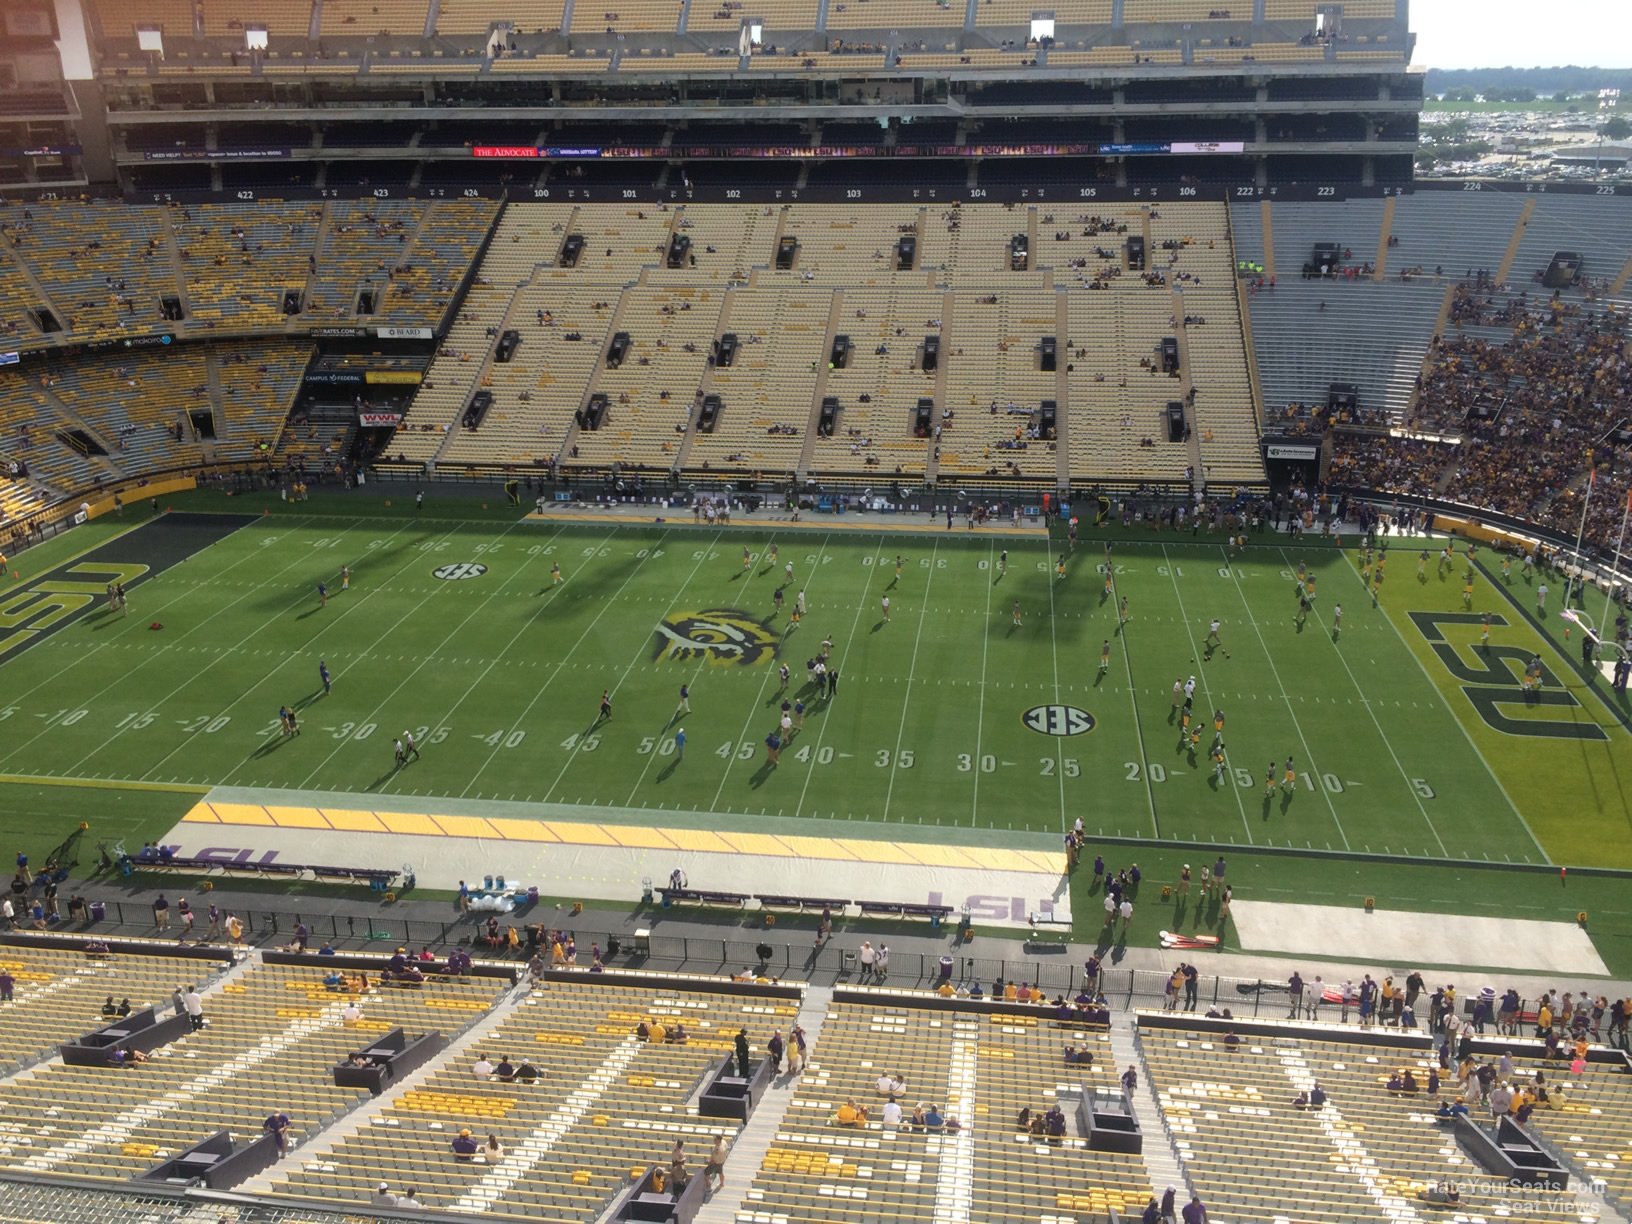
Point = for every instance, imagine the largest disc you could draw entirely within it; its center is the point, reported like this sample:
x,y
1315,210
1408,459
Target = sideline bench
x,y
378,879
1044,930
703,896
800,904
936,914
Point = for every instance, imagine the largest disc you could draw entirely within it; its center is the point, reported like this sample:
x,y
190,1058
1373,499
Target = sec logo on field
x,y
1058,720
459,571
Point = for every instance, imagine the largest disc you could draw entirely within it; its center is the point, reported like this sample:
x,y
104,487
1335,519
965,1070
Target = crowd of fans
x,y
1529,384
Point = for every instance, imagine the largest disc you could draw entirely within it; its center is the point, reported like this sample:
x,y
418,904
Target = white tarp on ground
x,y
616,873
1405,938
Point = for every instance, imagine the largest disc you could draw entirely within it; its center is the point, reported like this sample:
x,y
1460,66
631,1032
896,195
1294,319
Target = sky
x,y
1522,33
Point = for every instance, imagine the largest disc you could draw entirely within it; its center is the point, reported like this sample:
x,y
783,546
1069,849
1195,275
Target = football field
x,y
977,701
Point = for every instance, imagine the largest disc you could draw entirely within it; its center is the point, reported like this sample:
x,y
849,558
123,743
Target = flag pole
x,y
1620,539
1586,506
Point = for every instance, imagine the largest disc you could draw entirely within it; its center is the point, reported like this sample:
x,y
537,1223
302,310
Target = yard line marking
x,y
1054,651
1133,700
1296,725
912,671
515,724
578,743
374,715
702,663
527,623
980,709
1371,710
84,656
175,645
855,623
298,652
1201,674
1445,701
821,550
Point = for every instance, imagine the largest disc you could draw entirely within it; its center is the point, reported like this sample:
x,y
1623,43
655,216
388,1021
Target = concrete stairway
x,y
748,1153
1160,1156
326,1140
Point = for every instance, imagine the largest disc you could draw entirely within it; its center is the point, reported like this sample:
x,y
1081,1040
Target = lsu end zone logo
x,y
1058,720
45,606
725,637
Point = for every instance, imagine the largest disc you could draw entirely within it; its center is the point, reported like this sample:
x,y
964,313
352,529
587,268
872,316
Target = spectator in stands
x,y
277,1125
743,1067
1195,1212
410,1198
193,1002
482,1069
504,1072
351,1013
1053,1122
161,912
492,1149
933,1118
892,1114
1231,1041
526,1073
464,1146
109,1009
714,1170
383,1196
852,1114
888,1085
8,985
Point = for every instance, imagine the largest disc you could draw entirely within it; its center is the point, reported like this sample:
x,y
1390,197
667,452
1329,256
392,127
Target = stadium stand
x,y
105,266
1212,347
1435,236
1311,334
995,347
60,991
652,394
238,260
1598,230
1367,1151
266,1028
772,382
607,1102
980,1069
476,16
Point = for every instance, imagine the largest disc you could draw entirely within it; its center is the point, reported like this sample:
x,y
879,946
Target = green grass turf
x,y
499,675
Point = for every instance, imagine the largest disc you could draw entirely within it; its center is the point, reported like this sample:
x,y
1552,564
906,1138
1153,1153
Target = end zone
x,y
606,854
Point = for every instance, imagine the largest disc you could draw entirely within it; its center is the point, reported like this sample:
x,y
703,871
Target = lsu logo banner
x,y
724,637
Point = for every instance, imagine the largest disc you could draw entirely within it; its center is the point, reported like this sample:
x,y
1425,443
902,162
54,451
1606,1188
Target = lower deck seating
x,y
978,1068
1366,1153
843,280
606,1103
59,992
271,1034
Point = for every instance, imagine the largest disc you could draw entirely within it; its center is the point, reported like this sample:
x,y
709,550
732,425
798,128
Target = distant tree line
x,y
1527,84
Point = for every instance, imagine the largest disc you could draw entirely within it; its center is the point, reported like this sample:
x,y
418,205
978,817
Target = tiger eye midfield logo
x,y
724,637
